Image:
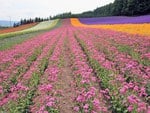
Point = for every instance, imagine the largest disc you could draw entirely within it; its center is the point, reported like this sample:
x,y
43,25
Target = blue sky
x,y
17,9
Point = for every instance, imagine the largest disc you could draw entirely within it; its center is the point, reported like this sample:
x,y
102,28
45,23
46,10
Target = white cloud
x,y
18,9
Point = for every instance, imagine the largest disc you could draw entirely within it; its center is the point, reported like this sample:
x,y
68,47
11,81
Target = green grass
x,y
12,41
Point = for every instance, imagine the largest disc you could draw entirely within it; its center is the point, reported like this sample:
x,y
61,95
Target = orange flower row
x,y
140,29
13,29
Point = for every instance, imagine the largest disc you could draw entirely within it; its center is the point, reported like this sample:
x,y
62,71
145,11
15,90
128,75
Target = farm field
x,y
137,26
28,28
74,68
116,20
8,30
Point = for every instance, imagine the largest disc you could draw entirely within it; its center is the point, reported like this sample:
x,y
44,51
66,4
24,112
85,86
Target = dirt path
x,y
64,85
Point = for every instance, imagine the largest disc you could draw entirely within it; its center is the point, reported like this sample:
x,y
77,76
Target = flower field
x,y
139,26
76,69
116,20
42,26
8,30
29,28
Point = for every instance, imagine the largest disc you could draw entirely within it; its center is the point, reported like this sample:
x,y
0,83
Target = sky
x,y
17,9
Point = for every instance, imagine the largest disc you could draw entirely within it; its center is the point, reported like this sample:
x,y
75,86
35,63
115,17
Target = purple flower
x,y
116,20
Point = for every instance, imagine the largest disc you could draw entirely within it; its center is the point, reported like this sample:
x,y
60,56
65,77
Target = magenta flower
x,y
123,90
132,99
130,108
86,106
80,98
49,104
45,88
141,107
76,108
96,104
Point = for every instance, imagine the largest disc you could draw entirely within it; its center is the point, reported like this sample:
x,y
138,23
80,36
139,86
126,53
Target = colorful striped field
x,y
76,68
138,29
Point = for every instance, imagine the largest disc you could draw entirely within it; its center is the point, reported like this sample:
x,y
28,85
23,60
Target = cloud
x,y
18,9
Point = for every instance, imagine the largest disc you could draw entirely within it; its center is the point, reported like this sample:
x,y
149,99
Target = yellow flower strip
x,y
140,29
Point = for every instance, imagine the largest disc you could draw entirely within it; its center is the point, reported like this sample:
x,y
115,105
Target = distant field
x,y
116,20
14,29
40,26
139,29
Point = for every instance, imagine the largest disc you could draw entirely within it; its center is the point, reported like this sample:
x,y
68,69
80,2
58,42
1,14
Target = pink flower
x,y
142,92
130,108
45,112
122,90
141,107
93,79
104,109
130,85
91,93
132,99
14,96
4,101
93,111
41,109
86,106
21,87
148,111
80,98
136,88
76,108
45,88
49,104
86,111
96,104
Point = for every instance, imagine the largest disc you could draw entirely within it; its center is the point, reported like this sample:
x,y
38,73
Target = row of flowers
x,y
20,94
129,84
89,98
45,99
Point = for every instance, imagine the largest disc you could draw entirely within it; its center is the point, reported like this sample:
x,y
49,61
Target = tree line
x,y
28,21
117,8
125,8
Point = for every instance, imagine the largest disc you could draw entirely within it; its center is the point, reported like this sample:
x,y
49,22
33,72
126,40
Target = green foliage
x,y
33,57
148,89
35,79
44,64
117,106
51,110
7,43
101,73
135,55
23,106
